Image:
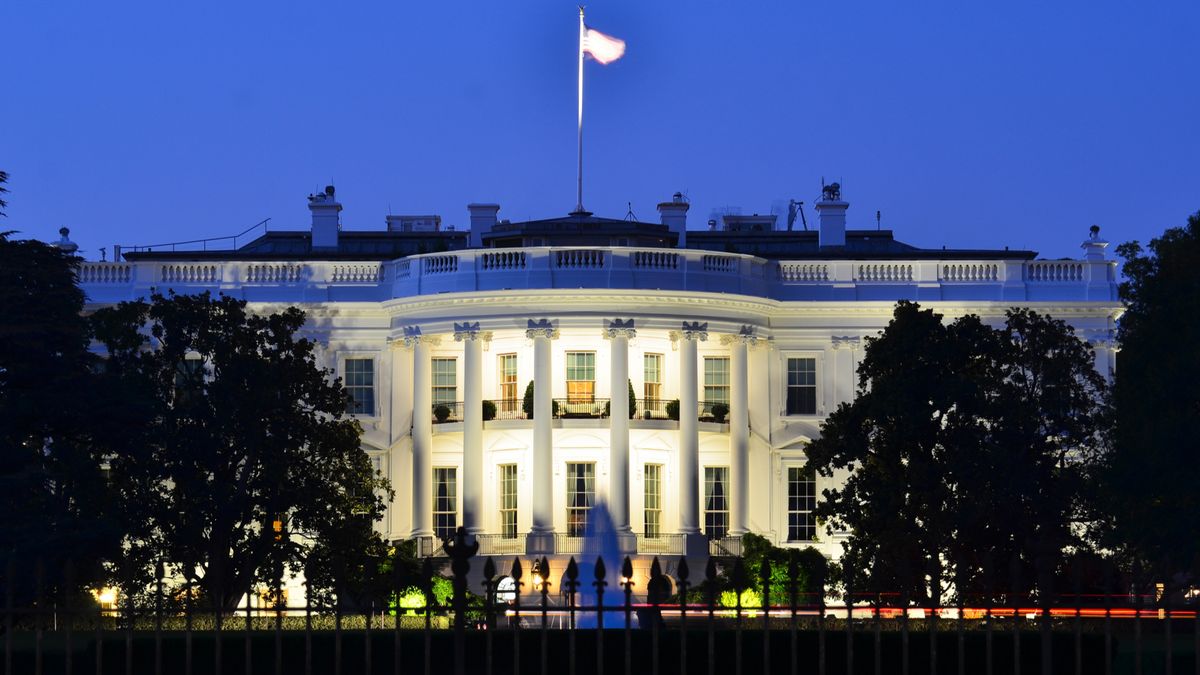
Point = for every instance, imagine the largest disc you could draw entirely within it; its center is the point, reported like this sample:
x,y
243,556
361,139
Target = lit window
x,y
802,499
581,377
652,384
445,502
360,384
189,380
508,501
508,386
802,386
716,501
445,380
581,494
653,501
716,382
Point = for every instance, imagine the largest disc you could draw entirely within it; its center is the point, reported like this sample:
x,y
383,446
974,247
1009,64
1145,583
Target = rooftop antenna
x,y
629,217
878,216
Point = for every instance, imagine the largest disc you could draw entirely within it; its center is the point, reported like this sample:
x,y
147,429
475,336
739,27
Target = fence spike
x,y
516,571
600,573
627,571
572,576
710,570
489,569
682,570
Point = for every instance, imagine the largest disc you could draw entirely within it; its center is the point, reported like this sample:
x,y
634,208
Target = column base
x,y
695,545
627,543
539,543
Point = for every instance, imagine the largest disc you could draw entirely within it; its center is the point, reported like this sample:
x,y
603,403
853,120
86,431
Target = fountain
x,y
600,543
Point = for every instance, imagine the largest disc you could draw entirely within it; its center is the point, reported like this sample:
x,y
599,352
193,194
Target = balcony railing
x,y
499,544
447,411
725,547
565,408
509,409
655,409
660,544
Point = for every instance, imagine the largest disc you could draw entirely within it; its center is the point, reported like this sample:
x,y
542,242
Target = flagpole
x,y
579,195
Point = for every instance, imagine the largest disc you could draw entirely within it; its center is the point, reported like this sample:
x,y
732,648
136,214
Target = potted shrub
x,y
527,403
441,412
489,410
673,409
719,411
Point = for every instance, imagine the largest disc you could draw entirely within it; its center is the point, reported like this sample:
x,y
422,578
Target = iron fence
x,y
515,615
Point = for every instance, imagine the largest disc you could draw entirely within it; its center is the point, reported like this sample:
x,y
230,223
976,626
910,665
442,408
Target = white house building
x,y
736,340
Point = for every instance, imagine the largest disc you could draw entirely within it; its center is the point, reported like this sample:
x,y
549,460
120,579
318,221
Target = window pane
x,y
359,377
445,502
653,500
581,495
716,501
716,379
445,380
508,501
802,499
802,386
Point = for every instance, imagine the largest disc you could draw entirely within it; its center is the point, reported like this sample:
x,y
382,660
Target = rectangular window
x,y
508,405
716,379
445,380
445,502
581,377
581,494
508,501
189,380
716,501
653,501
360,384
652,387
802,386
802,499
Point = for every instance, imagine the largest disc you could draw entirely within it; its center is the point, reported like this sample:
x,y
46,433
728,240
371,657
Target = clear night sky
x,y
968,124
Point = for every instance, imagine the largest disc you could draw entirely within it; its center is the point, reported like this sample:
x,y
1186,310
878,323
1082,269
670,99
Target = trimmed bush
x,y
489,410
672,408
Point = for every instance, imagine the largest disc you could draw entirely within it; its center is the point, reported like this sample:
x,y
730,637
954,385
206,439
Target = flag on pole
x,y
603,48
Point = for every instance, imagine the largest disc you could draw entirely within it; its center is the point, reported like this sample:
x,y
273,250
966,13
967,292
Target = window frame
x,y
651,398
723,527
705,386
434,387
577,528
574,396
505,404
453,500
787,385
649,530
374,357
794,505
503,499
818,357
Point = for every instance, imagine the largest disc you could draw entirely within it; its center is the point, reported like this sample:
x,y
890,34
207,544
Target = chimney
x,y
325,223
674,216
1093,247
831,216
483,220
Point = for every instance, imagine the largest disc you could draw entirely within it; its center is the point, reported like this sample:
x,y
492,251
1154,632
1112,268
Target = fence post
x,y
397,592
515,622
427,591
653,591
460,551
600,582
569,586
683,573
489,610
627,582
710,582
764,576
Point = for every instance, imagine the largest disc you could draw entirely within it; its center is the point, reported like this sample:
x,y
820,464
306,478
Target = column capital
x,y
412,337
846,341
470,331
746,335
541,328
618,328
692,330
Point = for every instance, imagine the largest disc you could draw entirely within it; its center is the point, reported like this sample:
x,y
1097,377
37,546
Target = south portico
x,y
604,471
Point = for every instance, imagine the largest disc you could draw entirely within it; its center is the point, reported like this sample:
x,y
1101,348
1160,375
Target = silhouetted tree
x,y
3,180
54,422
966,444
245,456
1155,469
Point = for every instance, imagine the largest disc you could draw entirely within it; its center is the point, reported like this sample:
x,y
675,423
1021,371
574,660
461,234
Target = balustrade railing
x,y
1055,271
713,411
105,273
576,407
447,411
661,544
499,544
657,409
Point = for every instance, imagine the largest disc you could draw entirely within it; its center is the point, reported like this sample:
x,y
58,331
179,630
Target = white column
x,y
422,438
619,333
689,438
739,435
541,535
472,479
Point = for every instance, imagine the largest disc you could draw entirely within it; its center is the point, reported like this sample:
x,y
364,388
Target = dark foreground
x,y
587,651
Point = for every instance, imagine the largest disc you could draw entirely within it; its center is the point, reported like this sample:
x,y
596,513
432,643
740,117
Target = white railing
x,y
804,272
105,273
274,273
1055,271
686,270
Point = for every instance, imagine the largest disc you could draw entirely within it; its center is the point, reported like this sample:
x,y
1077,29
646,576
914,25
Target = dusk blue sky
x,y
967,124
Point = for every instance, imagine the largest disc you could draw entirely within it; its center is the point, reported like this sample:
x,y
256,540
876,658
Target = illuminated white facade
x,y
424,340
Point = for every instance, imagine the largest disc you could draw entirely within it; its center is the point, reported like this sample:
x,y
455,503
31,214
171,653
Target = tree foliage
x,y
970,448
244,456
54,421
1155,465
